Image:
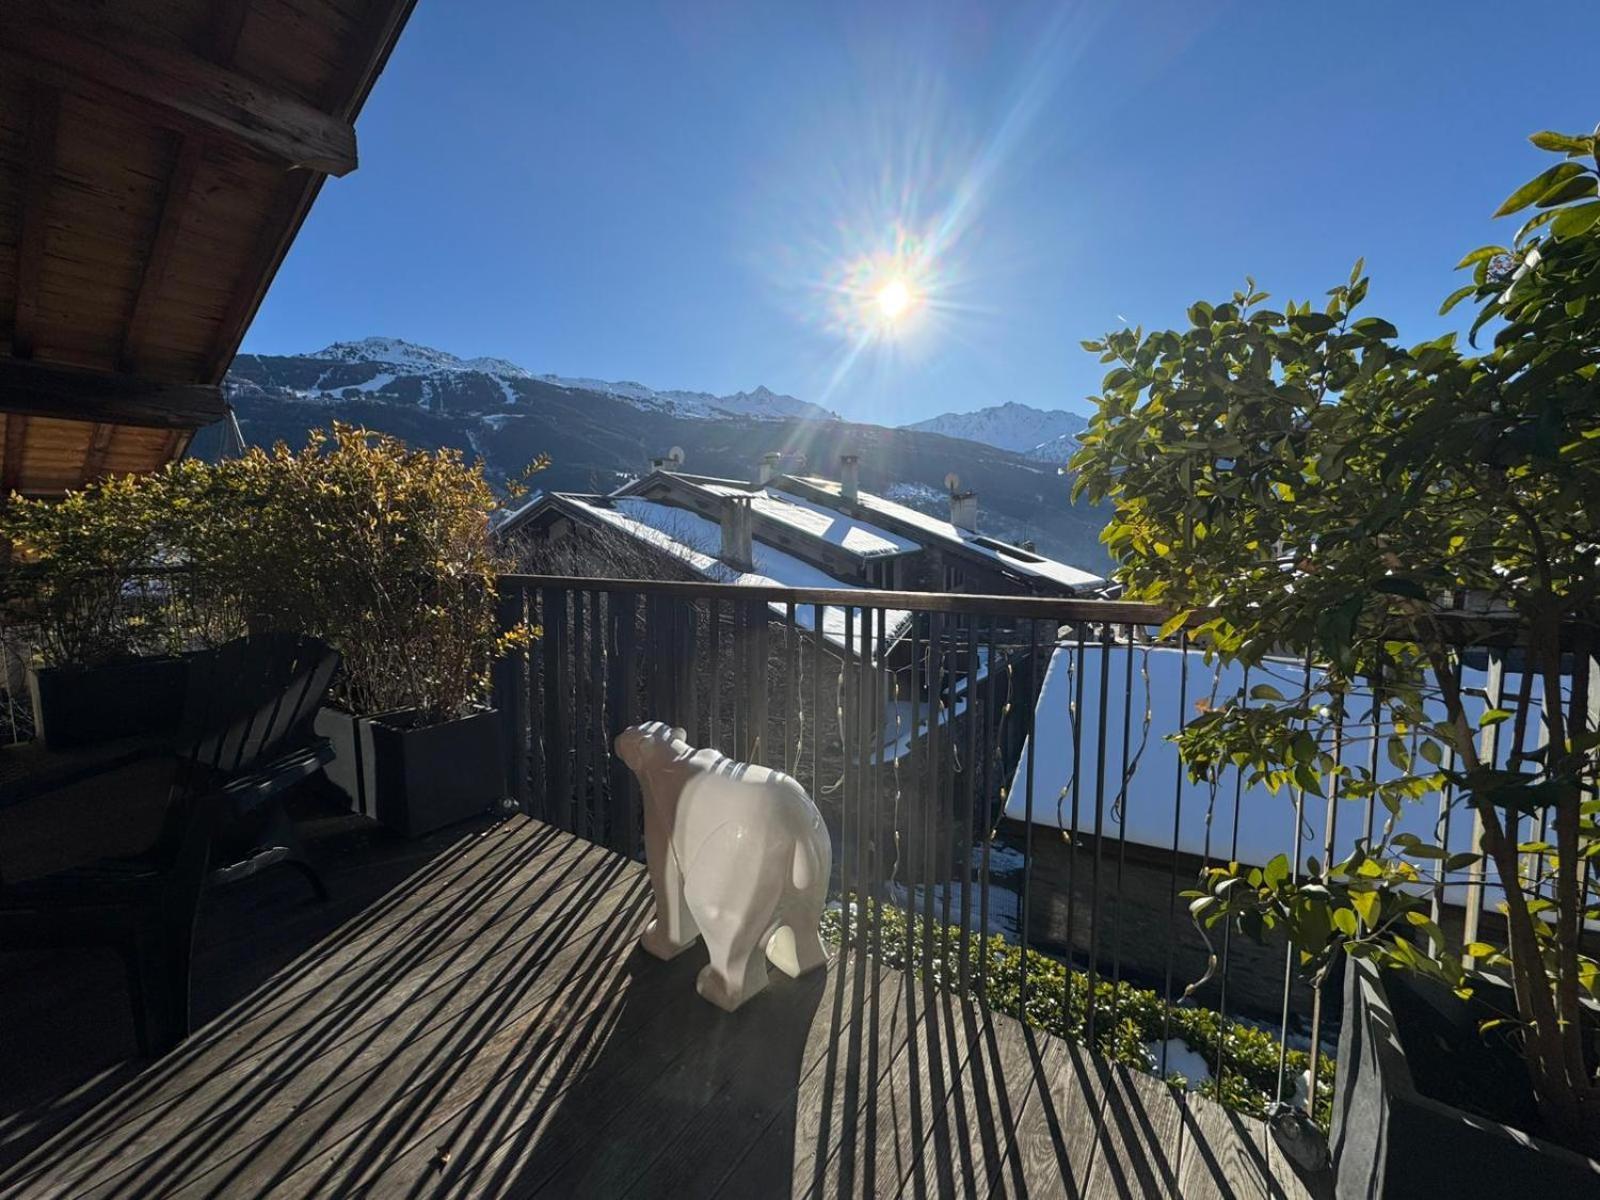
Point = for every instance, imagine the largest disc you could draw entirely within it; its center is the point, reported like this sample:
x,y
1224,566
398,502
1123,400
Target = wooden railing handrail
x,y
1470,628
1058,608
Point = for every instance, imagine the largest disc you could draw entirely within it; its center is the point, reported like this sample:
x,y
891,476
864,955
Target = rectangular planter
x,y
1403,1038
416,778
81,706
350,772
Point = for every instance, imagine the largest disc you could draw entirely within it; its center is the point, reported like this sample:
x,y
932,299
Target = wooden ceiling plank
x,y
190,90
44,113
70,394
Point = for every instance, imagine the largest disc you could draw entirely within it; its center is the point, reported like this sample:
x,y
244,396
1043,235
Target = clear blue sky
x,y
674,194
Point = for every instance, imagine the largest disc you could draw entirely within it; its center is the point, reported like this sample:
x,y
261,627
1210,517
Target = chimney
x,y
737,550
850,477
964,510
769,467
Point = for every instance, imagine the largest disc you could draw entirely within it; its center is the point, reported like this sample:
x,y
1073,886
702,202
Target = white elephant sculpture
x,y
737,853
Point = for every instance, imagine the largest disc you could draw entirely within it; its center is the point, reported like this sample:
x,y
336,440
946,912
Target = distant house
x,y
803,531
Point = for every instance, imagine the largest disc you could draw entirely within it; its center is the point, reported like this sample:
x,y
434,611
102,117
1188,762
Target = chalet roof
x,y
156,160
843,531
694,540
872,527
1014,560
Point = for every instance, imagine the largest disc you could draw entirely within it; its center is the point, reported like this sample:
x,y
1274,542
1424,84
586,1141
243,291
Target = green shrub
x,y
380,549
1126,1017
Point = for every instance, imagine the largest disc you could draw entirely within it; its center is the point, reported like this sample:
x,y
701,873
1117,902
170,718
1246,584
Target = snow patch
x,y
1181,1059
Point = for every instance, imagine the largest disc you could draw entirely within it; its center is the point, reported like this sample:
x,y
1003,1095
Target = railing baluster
x,y
849,833
1124,797
1288,950
1489,753
510,684
1027,809
1106,633
1172,880
714,700
559,798
995,783
760,699
916,747
1227,927
790,681
621,684
968,801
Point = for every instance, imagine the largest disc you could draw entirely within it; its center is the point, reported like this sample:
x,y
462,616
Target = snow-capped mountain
x,y
598,433
1057,450
1036,432
396,352
382,363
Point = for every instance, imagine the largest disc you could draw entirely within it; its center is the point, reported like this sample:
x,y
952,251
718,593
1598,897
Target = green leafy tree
x,y
1296,481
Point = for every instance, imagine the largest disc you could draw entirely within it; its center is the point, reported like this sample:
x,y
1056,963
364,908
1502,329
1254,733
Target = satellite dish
x,y
952,482
675,455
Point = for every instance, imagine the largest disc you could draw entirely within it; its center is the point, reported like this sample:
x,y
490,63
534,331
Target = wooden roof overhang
x,y
156,160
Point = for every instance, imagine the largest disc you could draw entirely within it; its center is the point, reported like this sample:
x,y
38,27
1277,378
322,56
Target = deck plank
x,y
1003,1066
1140,1138
216,1092
1223,1157
487,1027
1056,1138
829,1107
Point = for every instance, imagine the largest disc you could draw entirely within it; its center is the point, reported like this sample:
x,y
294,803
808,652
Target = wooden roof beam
x,y
187,92
46,391
44,111
369,51
227,24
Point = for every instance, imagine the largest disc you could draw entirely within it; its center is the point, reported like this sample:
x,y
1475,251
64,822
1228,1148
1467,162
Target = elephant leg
x,y
736,972
673,929
734,890
795,946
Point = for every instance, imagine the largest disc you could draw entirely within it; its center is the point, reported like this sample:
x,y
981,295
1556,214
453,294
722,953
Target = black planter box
x,y
416,778
80,706
1406,1041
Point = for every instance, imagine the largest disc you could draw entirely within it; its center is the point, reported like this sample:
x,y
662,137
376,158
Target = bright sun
x,y
894,298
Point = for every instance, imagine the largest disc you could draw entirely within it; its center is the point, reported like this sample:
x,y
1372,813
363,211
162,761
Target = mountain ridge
x,y
1037,432
599,434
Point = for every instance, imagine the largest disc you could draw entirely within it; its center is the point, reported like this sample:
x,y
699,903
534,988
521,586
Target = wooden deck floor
x,y
484,1027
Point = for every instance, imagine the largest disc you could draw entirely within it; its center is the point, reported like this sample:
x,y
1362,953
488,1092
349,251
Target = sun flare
x,y
894,299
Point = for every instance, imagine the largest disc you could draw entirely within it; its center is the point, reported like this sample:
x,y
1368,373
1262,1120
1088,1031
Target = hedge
x,y
1126,1017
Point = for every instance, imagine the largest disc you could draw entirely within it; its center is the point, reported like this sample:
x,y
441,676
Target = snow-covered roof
x,y
818,521
1266,825
1012,558
691,538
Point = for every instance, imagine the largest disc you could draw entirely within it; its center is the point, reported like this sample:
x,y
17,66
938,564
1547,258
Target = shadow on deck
x,y
469,1017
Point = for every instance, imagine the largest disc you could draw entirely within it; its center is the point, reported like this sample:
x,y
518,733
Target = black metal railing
x,y
985,764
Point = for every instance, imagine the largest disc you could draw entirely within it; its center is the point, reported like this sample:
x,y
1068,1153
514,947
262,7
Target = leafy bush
x,y
381,549
85,588
1127,1018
